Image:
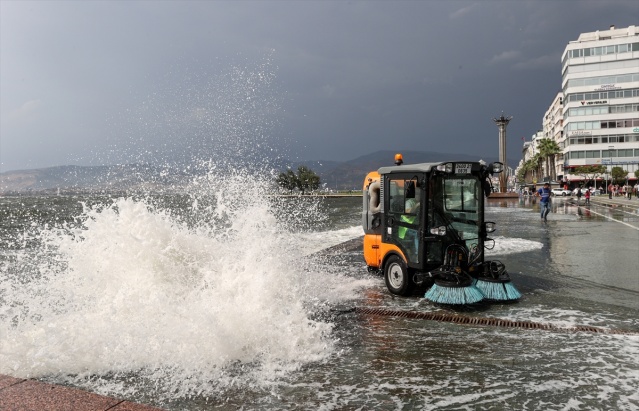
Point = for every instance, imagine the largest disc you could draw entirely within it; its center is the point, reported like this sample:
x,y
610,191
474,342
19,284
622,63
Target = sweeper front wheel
x,y
396,276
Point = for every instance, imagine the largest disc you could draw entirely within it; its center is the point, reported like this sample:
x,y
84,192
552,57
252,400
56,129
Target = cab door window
x,y
404,215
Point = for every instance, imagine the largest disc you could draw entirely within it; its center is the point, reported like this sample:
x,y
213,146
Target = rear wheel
x,y
396,276
563,194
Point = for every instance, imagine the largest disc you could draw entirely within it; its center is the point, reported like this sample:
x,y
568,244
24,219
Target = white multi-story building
x,y
530,148
600,85
553,126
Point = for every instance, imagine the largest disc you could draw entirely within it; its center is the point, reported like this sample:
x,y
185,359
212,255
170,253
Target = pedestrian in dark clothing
x,y
544,203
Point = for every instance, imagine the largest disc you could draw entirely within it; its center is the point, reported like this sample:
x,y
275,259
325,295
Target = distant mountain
x,y
350,175
72,179
346,175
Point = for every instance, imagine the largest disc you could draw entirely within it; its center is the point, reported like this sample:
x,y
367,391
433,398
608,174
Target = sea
x,y
225,297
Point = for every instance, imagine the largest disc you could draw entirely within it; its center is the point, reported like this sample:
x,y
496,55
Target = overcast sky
x,y
93,83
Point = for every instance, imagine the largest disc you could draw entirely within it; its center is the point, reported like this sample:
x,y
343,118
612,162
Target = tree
x,y
288,180
537,162
305,180
618,175
590,172
548,149
637,173
521,173
528,167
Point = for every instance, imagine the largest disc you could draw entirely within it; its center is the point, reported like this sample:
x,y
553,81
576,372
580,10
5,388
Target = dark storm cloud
x,y
97,82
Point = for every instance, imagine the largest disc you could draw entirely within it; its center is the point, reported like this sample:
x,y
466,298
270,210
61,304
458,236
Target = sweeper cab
x,y
425,230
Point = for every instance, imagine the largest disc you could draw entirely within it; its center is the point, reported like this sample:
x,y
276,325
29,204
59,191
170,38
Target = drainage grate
x,y
487,321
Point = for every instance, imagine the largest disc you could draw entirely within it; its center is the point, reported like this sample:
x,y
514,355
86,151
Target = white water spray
x,y
135,290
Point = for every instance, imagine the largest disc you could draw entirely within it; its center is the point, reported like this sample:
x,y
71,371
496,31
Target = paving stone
x,y
6,381
30,395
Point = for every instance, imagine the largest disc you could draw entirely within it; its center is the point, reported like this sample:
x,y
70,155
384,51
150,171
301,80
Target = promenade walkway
x,y
624,202
619,201
18,394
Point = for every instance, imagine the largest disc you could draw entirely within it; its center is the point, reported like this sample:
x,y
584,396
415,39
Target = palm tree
x,y
548,149
527,171
537,161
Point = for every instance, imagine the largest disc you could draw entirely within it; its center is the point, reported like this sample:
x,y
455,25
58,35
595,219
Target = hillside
x,y
350,174
74,179
135,177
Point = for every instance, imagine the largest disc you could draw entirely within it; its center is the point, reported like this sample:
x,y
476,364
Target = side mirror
x,y
490,227
496,167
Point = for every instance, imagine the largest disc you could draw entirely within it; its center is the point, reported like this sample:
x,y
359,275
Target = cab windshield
x,y
461,204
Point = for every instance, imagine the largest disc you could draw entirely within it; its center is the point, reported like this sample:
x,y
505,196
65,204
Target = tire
x,y
396,276
563,194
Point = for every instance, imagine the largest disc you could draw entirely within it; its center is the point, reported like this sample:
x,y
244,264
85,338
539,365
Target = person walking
x,y
544,203
587,196
610,190
578,195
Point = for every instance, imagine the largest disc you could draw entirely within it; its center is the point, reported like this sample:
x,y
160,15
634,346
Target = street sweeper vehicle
x,y
425,230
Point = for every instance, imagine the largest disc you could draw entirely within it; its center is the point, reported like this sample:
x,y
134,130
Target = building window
x,y
577,154
604,139
596,125
604,80
604,109
593,154
624,78
608,153
603,50
603,95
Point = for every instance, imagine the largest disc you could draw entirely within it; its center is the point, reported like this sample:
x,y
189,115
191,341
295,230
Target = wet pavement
x,y
588,254
596,242
623,202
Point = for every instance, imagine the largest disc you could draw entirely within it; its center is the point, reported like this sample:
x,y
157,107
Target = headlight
x,y
490,227
446,167
440,231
